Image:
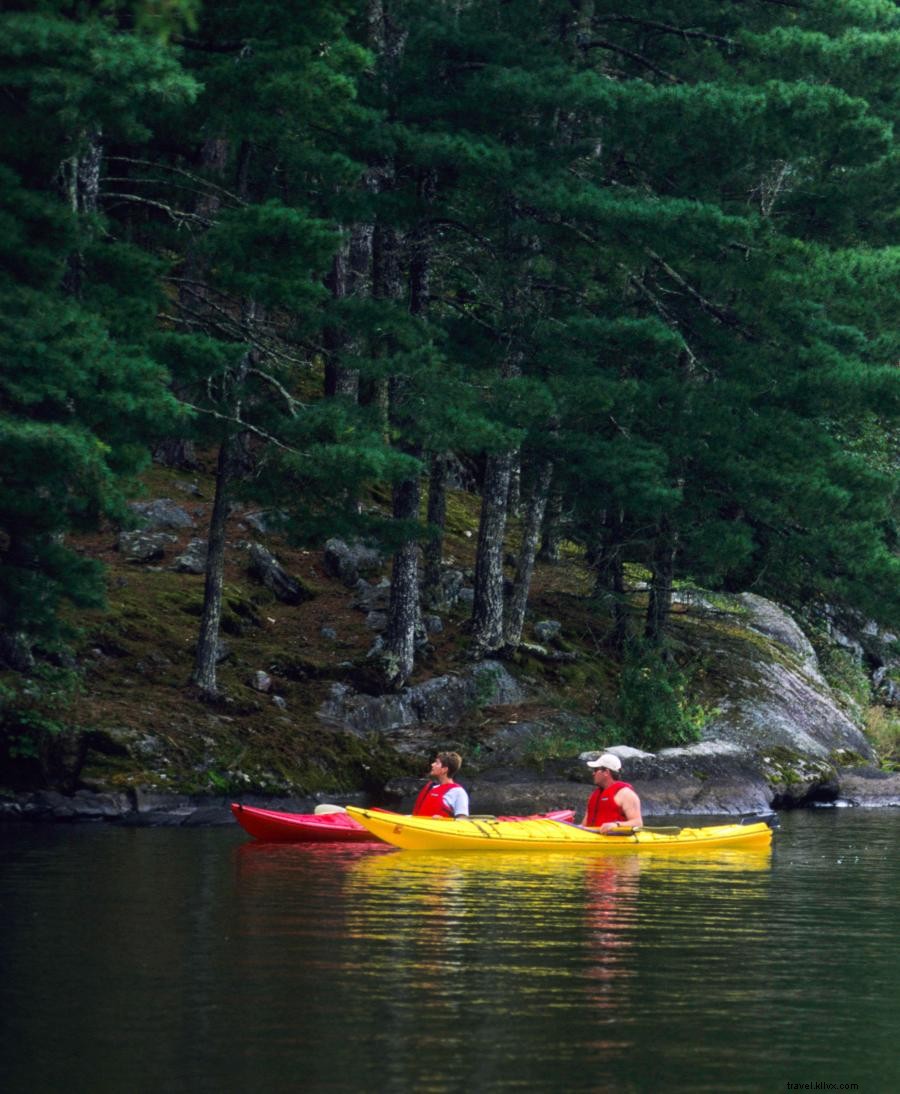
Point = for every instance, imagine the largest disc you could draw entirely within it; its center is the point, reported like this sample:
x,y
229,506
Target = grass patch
x,y
883,730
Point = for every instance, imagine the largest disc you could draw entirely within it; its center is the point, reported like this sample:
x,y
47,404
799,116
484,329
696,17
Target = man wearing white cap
x,y
613,804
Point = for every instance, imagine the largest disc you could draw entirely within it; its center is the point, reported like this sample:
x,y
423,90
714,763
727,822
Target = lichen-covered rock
x,y
162,513
193,559
265,567
141,546
443,699
348,561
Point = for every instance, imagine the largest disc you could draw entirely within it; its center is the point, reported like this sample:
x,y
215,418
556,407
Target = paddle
x,y
321,810
632,831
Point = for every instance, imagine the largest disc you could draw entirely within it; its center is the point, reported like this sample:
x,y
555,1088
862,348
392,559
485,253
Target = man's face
x,y
437,768
602,777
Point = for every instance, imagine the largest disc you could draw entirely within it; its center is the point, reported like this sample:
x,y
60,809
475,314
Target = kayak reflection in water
x,y
614,804
442,797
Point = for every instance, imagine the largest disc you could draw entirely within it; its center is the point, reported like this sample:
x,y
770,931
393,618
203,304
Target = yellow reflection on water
x,y
541,929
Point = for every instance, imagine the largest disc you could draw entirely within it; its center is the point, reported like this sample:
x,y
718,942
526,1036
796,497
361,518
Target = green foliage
x,y
883,730
846,674
655,708
31,709
562,744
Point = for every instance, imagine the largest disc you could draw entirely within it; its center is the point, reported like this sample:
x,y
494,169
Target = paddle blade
x,y
325,807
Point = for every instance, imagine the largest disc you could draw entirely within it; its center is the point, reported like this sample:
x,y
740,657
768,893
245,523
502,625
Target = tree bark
x,y
348,277
432,590
660,600
552,531
206,658
609,576
80,176
531,530
487,609
403,611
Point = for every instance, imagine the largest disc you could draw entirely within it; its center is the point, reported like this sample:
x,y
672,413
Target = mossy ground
x,y
137,658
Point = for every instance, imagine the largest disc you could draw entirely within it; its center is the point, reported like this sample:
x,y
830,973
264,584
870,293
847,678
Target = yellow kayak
x,y
488,835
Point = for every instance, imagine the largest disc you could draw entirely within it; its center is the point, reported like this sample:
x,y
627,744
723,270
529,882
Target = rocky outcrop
x,y
442,699
772,699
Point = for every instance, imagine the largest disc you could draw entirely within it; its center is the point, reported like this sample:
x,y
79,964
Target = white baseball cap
x,y
607,760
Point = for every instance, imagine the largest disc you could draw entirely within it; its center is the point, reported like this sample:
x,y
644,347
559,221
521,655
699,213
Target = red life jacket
x,y
431,800
602,808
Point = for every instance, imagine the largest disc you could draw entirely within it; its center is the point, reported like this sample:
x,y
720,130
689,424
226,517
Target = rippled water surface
x,y
198,960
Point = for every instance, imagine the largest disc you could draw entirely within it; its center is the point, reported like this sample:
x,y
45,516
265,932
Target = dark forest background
x,y
624,274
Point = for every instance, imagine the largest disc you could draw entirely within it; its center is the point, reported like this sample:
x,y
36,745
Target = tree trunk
x,y
552,532
432,589
487,609
514,500
206,659
193,296
609,580
660,600
531,530
348,277
403,611
80,176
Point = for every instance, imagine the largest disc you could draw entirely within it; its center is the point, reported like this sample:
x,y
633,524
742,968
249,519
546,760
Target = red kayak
x,y
272,827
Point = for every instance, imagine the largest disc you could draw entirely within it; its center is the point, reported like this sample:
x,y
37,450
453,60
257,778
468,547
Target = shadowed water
x,y
198,960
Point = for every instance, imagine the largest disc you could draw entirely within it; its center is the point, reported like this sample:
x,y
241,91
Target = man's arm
x,y
630,804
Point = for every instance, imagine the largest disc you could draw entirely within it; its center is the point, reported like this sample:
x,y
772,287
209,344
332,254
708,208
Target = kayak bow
x,y
273,827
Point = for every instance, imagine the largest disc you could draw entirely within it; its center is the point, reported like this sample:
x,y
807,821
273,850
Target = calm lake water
x,y
197,960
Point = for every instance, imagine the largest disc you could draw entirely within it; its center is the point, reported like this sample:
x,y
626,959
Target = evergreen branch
x,y
447,222
235,46
228,325
603,43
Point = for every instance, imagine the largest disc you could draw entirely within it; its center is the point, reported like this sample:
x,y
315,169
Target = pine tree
x,y
80,392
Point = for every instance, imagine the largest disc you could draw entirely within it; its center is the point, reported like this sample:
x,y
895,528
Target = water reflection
x,y
184,960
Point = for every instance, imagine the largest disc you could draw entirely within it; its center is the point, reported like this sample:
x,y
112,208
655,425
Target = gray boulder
x,y
143,546
348,561
193,559
442,699
372,598
547,629
267,569
162,513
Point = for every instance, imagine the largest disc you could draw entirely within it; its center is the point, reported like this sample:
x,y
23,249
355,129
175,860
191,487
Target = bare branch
x,y
666,28
179,216
206,183
612,47
724,315
241,424
293,404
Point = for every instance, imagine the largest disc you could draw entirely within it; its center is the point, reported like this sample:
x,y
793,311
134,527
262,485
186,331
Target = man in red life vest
x,y
442,797
613,804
